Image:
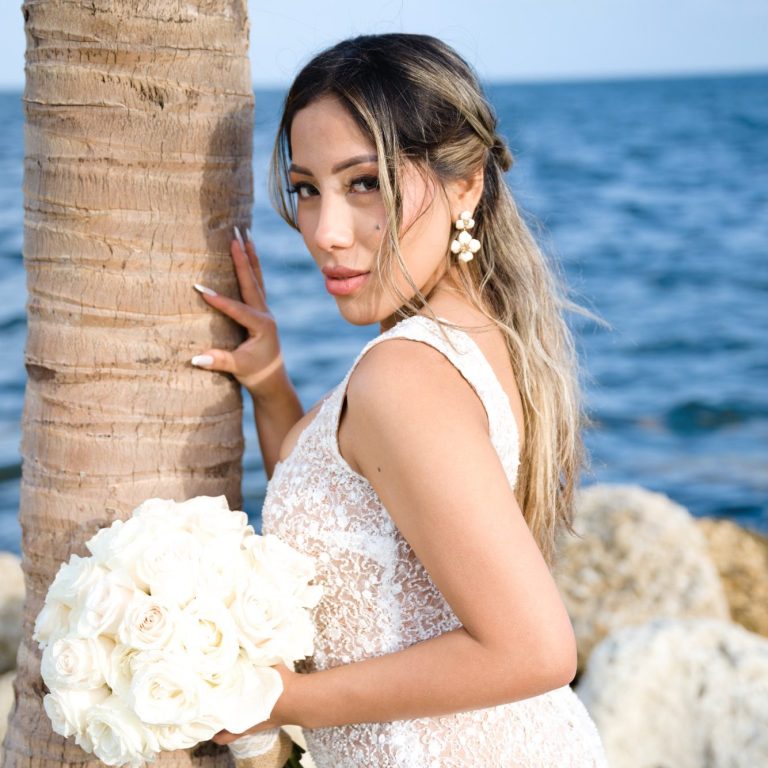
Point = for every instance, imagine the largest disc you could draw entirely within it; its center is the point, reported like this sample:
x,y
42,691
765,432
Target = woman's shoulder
x,y
407,374
418,369
405,397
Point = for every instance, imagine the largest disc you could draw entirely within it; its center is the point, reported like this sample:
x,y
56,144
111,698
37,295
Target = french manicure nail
x,y
201,360
248,235
205,290
239,238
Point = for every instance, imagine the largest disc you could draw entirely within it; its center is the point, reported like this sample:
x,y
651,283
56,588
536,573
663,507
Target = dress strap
x,y
466,356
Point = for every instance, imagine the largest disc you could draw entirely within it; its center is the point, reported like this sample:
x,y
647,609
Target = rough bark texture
x,y
137,164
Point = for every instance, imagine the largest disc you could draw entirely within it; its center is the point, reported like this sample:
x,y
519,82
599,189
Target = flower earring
x,y
465,246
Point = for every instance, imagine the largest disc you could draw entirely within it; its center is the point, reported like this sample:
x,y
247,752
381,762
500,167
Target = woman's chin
x,y
359,319
355,314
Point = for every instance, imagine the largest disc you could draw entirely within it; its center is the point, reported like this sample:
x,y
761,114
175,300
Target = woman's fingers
x,y
249,317
216,360
253,259
251,288
225,737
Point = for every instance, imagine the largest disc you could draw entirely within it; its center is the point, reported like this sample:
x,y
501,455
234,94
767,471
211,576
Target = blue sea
x,y
651,194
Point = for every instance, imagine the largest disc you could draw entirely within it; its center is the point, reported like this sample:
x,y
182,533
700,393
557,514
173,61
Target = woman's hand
x,y
279,715
257,363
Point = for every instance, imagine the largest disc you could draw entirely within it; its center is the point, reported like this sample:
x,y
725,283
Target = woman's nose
x,y
334,224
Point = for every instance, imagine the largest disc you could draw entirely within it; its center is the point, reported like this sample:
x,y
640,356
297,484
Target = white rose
x,y
52,622
211,517
117,736
66,708
74,579
187,735
245,696
170,564
221,532
100,544
147,624
127,541
258,609
221,569
272,558
191,516
294,637
290,640
209,636
300,565
165,691
120,670
159,513
76,662
100,610
310,596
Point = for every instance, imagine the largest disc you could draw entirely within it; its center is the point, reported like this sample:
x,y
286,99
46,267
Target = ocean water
x,y
653,197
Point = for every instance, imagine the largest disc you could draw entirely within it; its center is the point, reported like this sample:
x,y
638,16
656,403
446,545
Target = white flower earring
x,y
465,246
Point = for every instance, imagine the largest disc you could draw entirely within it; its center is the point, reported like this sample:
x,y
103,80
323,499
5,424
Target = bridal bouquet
x,y
166,634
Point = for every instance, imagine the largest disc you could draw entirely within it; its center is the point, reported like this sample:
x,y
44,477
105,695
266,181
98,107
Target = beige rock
x,y
11,603
6,702
640,556
741,558
680,693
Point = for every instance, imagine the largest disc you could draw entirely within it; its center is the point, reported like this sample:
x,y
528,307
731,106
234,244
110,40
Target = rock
x,y
6,701
741,558
640,556
11,603
682,693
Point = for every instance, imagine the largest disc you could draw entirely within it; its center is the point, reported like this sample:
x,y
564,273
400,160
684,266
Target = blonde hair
x,y
419,101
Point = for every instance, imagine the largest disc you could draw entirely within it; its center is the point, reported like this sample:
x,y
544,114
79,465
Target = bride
x,y
431,483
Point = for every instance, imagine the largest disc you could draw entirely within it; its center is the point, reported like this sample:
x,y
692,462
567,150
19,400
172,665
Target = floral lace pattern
x,y
378,598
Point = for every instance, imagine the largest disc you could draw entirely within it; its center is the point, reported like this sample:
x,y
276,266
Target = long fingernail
x,y
205,290
202,360
239,238
248,235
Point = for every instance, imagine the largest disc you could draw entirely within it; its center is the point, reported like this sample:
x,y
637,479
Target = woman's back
x,y
379,597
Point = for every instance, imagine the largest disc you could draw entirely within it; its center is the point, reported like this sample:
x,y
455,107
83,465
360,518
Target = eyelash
x,y
371,185
371,182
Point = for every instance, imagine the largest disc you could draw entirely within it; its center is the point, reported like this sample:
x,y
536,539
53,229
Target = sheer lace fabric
x,y
378,598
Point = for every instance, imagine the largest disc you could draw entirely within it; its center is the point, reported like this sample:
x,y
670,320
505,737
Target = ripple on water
x,y
698,416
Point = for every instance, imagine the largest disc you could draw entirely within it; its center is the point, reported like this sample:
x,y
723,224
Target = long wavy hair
x,y
418,101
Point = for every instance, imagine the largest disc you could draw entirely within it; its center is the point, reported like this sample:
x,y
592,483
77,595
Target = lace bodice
x,y
378,598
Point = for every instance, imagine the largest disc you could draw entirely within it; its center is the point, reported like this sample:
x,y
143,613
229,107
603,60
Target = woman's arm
x,y
419,434
258,362
450,673
274,417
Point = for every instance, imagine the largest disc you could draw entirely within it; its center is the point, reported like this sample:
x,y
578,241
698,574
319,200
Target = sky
x,y
506,40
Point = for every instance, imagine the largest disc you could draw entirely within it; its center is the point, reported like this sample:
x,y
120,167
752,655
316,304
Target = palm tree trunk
x,y
139,120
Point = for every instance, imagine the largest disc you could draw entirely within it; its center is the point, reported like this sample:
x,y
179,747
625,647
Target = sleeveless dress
x,y
378,598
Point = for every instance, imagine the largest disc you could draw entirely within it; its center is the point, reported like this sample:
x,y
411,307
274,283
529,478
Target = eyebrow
x,y
343,165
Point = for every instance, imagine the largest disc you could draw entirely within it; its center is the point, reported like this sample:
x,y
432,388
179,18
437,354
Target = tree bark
x,y
138,139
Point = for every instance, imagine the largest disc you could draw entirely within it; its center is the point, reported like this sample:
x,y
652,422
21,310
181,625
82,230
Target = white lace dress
x,y
378,598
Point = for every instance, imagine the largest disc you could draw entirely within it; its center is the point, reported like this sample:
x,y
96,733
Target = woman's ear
x,y
465,194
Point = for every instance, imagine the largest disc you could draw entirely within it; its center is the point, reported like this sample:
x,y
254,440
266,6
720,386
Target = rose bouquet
x,y
166,634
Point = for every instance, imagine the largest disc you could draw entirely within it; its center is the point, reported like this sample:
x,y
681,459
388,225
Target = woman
x,y
430,484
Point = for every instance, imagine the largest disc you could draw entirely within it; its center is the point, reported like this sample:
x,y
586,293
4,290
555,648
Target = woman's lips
x,y
341,280
343,286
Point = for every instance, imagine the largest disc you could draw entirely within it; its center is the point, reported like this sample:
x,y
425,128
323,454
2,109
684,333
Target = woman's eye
x,y
303,190
365,184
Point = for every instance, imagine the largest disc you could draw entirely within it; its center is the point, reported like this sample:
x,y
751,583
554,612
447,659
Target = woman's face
x,y
341,216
